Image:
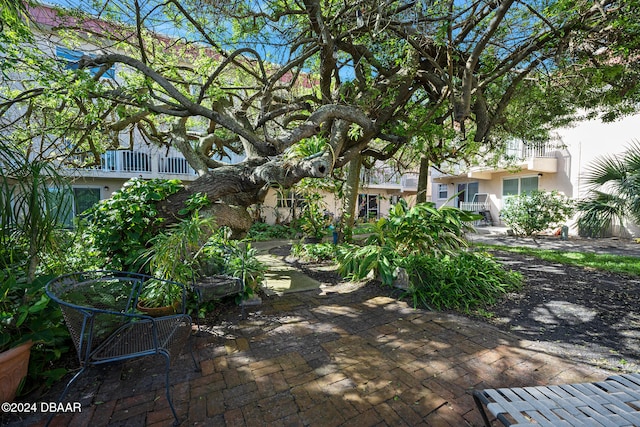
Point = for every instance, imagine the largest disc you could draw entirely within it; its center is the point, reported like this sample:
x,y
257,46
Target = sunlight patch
x,y
563,312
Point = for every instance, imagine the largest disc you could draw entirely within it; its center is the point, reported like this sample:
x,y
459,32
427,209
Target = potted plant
x,y
173,256
28,318
160,298
245,264
15,347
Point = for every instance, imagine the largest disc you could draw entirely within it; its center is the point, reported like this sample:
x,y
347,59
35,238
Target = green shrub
x,y
462,281
358,262
420,230
314,251
261,231
222,255
425,229
536,211
174,253
314,220
27,313
429,243
117,230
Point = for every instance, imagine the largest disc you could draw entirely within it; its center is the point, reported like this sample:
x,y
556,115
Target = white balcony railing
x,y
379,177
522,151
139,162
125,161
175,165
389,177
474,206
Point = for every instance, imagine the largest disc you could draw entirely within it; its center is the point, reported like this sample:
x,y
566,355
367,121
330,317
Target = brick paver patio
x,y
353,356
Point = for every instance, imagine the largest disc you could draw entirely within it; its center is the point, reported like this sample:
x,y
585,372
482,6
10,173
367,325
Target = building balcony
x,y
126,164
387,179
539,158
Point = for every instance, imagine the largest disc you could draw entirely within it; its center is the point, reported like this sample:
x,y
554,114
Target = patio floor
x,y
348,355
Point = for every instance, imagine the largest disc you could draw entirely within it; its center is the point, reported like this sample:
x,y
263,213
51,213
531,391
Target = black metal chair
x,y
99,308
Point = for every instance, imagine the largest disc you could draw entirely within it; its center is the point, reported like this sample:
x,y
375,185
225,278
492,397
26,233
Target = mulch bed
x,y
592,316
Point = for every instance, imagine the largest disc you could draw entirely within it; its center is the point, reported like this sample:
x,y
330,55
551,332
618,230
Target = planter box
x,y
215,287
14,364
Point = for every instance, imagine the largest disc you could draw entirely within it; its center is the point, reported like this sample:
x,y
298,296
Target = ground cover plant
x,y
314,251
261,231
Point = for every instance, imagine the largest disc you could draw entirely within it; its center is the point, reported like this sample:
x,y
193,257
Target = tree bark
x,y
351,190
423,179
243,185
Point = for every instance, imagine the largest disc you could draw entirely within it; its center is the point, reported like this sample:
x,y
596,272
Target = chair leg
x,y
168,386
64,392
476,397
193,357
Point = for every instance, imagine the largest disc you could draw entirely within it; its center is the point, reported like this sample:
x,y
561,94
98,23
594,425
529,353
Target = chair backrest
x,y
96,303
88,301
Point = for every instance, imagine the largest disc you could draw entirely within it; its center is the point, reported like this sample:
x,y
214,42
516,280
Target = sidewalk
x,y
346,355
611,245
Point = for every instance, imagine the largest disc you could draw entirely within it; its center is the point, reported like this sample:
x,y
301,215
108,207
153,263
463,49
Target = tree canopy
x,y
383,79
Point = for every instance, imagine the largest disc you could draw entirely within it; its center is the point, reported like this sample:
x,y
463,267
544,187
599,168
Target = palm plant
x,y
34,203
614,191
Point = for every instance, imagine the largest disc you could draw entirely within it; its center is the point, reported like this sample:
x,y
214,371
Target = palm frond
x,y
605,170
598,212
631,157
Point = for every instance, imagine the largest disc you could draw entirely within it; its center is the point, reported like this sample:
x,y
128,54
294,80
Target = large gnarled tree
x,y
375,79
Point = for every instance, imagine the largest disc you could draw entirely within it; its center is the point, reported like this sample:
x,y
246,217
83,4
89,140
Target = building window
x,y
466,192
84,198
368,206
443,191
288,199
72,204
72,58
517,186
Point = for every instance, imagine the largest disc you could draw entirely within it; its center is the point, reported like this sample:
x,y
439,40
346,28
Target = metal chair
x,y
99,308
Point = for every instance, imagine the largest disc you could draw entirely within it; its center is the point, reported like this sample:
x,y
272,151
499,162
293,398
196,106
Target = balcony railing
x,y
139,162
379,177
410,180
389,178
474,206
523,151
175,165
125,161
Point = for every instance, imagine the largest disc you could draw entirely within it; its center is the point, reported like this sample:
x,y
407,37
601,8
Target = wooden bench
x,y
613,402
99,308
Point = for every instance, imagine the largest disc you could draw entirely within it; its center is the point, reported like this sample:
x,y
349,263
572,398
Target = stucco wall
x,y
589,140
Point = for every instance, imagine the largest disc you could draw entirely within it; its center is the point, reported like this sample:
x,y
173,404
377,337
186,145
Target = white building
x,y
557,165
